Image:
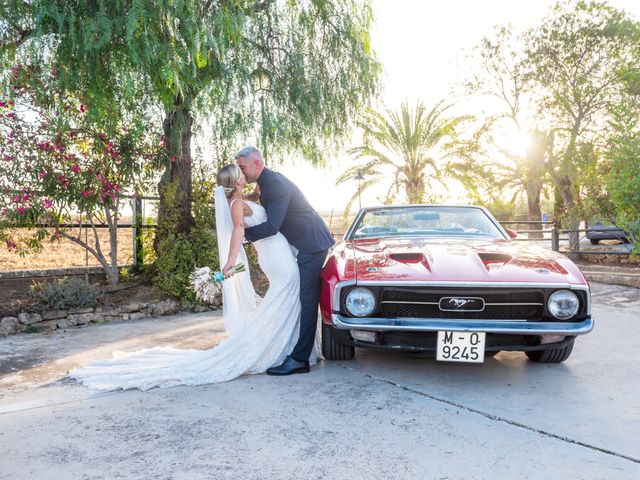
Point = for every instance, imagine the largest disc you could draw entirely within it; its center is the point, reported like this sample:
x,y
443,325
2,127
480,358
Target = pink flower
x,y
11,245
83,108
8,158
75,169
64,181
46,203
85,193
20,210
72,134
43,174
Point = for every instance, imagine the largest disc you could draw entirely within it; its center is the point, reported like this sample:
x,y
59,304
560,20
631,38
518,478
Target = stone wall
x,y
52,320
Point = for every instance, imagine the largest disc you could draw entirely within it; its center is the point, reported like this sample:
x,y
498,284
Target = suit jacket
x,y
289,212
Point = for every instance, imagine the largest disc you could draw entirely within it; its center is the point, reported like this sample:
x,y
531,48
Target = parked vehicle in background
x,y
602,230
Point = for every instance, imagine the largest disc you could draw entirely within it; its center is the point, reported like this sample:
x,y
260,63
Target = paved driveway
x,y
380,416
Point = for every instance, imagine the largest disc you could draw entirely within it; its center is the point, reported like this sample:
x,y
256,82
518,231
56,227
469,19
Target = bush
x,y
65,293
178,255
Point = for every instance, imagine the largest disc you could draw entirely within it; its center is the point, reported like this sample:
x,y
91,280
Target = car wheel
x,y
553,355
594,241
332,349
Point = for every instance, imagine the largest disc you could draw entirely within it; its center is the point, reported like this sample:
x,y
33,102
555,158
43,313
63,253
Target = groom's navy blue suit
x,y
289,212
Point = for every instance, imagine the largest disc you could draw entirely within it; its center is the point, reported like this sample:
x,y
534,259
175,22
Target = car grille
x,y
397,302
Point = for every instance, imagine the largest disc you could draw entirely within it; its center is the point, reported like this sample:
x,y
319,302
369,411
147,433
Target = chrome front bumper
x,y
514,327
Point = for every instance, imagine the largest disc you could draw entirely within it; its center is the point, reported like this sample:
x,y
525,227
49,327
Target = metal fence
x,y
136,225
547,232
556,235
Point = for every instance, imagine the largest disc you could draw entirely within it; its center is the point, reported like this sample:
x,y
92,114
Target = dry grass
x,y
64,254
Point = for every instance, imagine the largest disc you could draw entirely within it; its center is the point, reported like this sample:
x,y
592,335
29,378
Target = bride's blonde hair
x,y
228,176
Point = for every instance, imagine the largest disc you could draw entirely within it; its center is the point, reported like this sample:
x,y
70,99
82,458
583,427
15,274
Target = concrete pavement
x,y
382,415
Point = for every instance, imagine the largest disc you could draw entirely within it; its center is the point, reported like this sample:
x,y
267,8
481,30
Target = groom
x,y
289,212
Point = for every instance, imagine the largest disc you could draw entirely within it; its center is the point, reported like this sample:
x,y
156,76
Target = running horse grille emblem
x,y
461,304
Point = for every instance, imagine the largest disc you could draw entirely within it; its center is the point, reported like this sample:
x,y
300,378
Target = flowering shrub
x,y
61,164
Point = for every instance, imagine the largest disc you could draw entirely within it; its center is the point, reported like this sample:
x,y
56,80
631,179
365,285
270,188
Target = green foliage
x,y
68,165
559,82
405,146
500,207
65,293
309,64
623,177
178,254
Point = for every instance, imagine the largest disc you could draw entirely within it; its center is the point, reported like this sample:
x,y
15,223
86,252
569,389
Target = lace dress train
x,y
266,335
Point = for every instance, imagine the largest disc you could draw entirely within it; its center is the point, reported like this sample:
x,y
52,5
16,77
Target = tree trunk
x,y
415,191
534,190
177,127
112,221
534,212
535,163
566,194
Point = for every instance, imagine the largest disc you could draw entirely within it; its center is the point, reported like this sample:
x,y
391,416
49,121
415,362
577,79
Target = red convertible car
x,y
448,280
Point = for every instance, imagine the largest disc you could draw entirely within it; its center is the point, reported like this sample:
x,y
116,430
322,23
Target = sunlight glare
x,y
515,142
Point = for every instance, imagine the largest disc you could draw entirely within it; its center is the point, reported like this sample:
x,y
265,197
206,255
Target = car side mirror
x,y
511,233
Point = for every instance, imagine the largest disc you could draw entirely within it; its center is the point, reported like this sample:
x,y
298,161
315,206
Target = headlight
x,y
360,302
563,304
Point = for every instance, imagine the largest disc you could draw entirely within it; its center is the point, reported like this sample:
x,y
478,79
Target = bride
x,y
262,332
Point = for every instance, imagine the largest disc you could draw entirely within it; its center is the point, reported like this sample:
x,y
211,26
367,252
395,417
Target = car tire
x,y
332,349
594,241
553,355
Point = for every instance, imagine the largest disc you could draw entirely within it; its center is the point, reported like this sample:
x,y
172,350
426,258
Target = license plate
x,y
461,347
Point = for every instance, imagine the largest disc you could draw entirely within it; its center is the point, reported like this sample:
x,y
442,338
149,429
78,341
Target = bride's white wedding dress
x,y
261,332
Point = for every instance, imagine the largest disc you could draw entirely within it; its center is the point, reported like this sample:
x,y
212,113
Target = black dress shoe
x,y
289,367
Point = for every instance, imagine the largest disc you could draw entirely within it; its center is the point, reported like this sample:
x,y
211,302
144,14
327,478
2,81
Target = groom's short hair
x,y
248,151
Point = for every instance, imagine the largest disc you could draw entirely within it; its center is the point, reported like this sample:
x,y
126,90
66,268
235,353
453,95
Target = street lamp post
x,y
359,177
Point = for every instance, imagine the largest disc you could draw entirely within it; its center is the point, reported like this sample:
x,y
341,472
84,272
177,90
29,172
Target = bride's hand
x,y
226,269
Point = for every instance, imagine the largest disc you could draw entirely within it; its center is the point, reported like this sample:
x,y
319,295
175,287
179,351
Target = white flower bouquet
x,y
207,284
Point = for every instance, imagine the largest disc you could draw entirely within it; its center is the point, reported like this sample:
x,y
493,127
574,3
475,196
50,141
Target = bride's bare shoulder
x,y
241,204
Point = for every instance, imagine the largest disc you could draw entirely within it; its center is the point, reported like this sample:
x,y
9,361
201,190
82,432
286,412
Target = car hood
x,y
459,260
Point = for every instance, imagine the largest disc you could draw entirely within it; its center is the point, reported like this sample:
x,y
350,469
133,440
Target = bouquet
x,y
207,284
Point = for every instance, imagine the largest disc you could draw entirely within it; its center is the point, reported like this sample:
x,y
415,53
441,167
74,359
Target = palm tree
x,y
407,146
527,175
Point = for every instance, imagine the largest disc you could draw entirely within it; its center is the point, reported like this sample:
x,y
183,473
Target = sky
x,y
422,46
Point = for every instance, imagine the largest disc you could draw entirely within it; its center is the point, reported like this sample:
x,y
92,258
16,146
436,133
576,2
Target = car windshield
x,y
426,221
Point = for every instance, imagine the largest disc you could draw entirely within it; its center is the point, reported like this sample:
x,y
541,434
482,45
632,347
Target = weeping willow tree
x,y
297,72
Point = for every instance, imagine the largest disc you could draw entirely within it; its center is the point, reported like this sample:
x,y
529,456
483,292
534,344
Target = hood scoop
x,y
494,261
407,257
410,258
